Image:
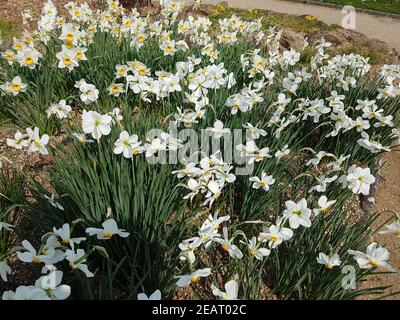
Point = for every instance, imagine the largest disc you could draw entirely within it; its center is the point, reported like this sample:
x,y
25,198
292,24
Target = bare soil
x,y
387,200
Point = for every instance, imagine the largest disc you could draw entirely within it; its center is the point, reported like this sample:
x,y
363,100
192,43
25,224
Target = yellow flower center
x,y
10,56
28,60
116,89
67,61
374,263
274,238
298,212
69,37
225,38
16,87
69,44
142,71
36,260
107,235
37,143
195,279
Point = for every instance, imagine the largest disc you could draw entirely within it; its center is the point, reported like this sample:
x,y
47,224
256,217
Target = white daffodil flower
x,y
109,229
190,170
318,157
30,255
323,205
218,130
393,228
185,280
77,260
280,154
329,261
61,110
6,226
52,200
214,188
51,284
116,89
275,235
255,251
228,246
195,187
188,247
37,143
231,291
359,180
156,295
213,222
26,293
4,270
65,234
96,124
126,144
255,133
264,183
154,146
323,183
16,86
81,137
376,256
67,59
89,92
297,213
52,248
19,142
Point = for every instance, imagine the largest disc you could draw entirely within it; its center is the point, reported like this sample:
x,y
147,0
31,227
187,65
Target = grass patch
x,y
376,56
8,29
297,24
388,6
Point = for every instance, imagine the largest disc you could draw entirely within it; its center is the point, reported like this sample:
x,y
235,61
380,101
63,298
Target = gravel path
x,y
375,27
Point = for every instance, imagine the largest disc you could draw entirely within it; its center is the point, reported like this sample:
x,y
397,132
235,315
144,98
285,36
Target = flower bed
x,y
194,155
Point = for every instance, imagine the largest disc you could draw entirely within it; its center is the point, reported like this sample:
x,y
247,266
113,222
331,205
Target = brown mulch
x,y
387,198
10,10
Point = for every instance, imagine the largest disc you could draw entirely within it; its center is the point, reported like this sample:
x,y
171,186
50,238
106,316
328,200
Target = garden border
x,y
333,5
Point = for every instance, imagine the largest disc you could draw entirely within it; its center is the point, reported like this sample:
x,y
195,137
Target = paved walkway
x,y
375,27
